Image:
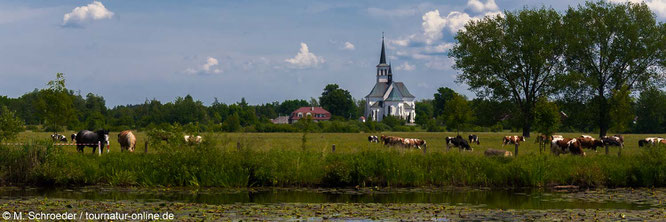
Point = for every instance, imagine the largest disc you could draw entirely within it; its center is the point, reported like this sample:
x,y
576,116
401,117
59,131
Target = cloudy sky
x,y
265,51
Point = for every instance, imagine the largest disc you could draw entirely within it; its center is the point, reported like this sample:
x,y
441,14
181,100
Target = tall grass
x,y
210,166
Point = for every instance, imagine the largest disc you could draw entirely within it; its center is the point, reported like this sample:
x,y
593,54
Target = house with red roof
x,y
316,113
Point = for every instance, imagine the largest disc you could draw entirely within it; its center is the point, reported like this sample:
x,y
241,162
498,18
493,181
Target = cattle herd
x,y
558,144
126,139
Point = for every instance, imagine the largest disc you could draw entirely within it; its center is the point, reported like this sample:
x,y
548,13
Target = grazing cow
x,y
373,139
556,137
474,139
566,145
617,140
405,142
590,143
512,140
127,141
409,142
586,136
73,136
58,138
651,141
494,152
191,139
457,141
91,139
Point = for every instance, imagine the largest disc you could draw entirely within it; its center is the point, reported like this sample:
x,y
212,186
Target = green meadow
x,y
307,160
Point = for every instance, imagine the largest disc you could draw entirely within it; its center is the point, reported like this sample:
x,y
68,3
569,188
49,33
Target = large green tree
x,y
651,111
517,57
443,95
338,101
610,46
547,117
458,112
55,104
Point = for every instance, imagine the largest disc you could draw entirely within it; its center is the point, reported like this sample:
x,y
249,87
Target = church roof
x,y
399,91
403,89
394,95
379,90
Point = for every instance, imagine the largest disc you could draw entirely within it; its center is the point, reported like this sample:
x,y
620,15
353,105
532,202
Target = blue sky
x,y
265,51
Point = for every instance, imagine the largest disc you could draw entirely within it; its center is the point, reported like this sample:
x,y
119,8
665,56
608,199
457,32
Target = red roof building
x,y
317,114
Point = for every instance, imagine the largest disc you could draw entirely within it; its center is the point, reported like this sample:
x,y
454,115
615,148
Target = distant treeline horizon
x,y
90,112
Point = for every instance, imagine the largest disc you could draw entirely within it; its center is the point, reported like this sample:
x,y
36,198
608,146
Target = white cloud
x,y
305,58
433,25
658,6
81,14
207,68
349,46
478,6
406,66
440,48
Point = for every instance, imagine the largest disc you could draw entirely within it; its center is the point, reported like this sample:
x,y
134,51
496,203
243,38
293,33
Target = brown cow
x,y
566,145
512,140
127,141
590,143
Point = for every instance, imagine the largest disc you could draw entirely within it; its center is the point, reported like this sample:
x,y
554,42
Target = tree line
x,y
590,58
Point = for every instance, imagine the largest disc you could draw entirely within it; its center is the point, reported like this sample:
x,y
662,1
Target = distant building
x,y
389,98
281,120
317,114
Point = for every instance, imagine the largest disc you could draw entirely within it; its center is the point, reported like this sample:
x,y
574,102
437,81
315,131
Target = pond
x,y
479,198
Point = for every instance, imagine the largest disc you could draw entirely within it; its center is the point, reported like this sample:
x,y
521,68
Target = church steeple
x,y
383,69
382,58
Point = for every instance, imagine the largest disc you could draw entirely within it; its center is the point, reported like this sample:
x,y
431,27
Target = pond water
x,y
482,198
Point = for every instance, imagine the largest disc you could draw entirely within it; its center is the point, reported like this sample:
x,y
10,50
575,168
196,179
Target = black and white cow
x,y
457,141
474,139
58,138
373,139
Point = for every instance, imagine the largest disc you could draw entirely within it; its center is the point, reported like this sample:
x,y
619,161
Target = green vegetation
x,y
10,125
285,160
591,57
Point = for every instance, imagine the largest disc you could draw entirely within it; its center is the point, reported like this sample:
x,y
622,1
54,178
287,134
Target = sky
x,y
264,51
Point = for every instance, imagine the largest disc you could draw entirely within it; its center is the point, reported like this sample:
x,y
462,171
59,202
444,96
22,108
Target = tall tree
x,y
516,57
55,104
424,112
458,112
338,101
443,95
611,46
547,117
651,112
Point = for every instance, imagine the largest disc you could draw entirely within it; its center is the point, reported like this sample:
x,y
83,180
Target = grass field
x,y
280,159
351,142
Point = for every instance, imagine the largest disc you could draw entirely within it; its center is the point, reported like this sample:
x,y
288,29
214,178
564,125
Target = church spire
x,y
382,58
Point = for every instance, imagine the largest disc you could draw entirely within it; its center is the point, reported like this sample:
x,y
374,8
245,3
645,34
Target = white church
x,y
388,97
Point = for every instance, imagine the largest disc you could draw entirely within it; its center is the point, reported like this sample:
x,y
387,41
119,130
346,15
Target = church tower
x,y
388,97
383,70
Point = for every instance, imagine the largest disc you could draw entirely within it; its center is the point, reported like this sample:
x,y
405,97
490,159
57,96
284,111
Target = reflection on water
x,y
494,199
